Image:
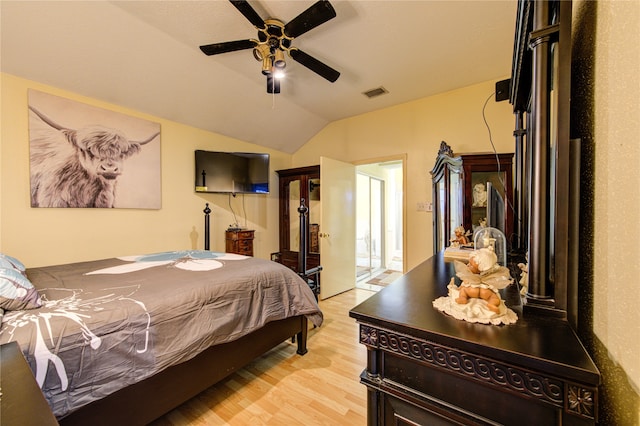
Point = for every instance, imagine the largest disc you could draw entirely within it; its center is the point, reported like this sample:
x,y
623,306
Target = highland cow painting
x,y
87,157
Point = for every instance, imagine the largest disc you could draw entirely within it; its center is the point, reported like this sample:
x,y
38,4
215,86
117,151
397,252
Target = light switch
x,y
425,206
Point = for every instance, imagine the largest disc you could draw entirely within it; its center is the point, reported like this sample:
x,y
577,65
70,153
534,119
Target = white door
x,y
338,226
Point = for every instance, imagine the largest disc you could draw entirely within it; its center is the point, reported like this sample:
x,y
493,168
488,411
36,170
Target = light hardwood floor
x,y
282,388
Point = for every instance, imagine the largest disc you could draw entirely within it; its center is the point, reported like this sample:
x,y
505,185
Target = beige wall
x,y
43,236
616,321
416,129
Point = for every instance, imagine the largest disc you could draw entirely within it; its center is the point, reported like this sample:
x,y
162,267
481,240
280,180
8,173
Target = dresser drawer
x,y
245,235
245,245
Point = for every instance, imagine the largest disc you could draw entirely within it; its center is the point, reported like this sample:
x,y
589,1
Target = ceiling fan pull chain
x,y
273,93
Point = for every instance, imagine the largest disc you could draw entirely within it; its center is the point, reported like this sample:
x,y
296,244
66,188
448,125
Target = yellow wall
x,y
616,321
416,129
50,236
43,236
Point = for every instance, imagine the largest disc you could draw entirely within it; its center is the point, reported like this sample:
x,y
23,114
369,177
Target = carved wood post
x,y
520,193
206,211
540,290
302,252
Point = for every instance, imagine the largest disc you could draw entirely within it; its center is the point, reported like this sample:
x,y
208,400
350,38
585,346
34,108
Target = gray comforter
x,y
110,323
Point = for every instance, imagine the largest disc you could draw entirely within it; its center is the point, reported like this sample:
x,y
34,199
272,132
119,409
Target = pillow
x,y
9,262
16,291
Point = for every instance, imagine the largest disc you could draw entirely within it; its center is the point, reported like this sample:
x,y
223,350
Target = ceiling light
x,y
267,66
278,61
261,51
273,85
278,73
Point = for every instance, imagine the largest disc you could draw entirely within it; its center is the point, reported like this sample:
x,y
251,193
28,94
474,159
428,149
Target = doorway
x,y
379,222
370,236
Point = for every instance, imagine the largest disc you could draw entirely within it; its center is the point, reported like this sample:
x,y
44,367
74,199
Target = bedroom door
x,y
337,226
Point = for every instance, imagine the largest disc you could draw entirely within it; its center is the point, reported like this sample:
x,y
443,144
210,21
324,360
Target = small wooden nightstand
x,y
239,241
21,401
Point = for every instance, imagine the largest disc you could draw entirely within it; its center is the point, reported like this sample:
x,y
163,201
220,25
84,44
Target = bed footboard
x,y
145,401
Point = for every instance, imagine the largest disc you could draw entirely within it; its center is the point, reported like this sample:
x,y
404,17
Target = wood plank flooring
x,y
320,388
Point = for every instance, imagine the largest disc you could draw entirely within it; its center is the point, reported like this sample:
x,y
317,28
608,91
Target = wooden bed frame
x,y
149,399
145,401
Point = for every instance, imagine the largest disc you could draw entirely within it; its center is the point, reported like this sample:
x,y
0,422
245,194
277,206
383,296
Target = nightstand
x,y
21,402
239,241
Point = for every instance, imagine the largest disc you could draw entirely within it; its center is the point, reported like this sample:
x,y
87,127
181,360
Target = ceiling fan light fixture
x,y
267,66
261,51
278,61
278,73
273,85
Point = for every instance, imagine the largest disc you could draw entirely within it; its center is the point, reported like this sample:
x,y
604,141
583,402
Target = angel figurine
x,y
477,298
460,238
482,278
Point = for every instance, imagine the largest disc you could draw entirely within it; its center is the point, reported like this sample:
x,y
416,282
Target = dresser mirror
x,y
295,185
314,215
294,225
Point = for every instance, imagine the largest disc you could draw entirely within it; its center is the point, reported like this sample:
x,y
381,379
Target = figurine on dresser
x,y
477,299
460,239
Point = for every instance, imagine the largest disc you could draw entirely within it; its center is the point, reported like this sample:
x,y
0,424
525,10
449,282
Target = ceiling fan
x,y
275,37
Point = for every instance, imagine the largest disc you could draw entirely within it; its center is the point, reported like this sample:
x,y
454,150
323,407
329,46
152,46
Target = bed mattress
x,y
109,323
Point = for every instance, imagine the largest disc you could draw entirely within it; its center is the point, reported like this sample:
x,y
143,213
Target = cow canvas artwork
x,y
88,157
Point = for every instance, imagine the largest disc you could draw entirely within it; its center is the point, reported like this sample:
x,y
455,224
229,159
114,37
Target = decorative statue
x,y
479,195
482,278
524,277
477,299
460,238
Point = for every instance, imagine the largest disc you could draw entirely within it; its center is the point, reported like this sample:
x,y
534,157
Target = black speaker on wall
x,y
502,90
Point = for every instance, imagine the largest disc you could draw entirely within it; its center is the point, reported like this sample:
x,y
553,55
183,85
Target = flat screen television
x,y
495,208
232,172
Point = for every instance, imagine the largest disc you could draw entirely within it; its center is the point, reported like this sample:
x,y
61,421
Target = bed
x,y
124,340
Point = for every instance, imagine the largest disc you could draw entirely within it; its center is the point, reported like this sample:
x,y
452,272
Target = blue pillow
x,y
10,262
16,291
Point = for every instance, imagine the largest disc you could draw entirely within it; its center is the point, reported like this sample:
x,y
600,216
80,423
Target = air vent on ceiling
x,y
375,92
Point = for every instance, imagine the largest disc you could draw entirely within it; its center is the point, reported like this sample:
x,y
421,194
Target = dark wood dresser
x,y
239,241
427,368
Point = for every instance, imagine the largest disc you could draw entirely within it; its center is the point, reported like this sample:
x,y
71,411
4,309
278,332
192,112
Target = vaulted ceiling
x,y
145,55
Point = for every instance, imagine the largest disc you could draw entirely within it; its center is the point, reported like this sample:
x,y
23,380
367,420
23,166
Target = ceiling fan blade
x,y
245,8
319,13
314,65
228,46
